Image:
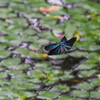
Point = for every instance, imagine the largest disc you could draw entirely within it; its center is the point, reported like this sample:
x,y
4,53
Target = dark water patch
x,y
27,60
13,55
37,98
4,6
97,42
70,62
32,61
72,81
3,33
10,48
98,1
63,18
24,45
19,14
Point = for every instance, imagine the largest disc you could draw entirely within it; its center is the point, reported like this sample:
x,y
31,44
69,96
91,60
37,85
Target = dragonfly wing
x,y
68,45
63,40
58,50
51,46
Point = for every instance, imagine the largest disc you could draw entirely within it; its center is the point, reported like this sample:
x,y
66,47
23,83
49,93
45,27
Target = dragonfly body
x,y
65,45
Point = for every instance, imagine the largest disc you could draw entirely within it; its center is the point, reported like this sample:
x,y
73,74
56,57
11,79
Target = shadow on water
x,y
68,63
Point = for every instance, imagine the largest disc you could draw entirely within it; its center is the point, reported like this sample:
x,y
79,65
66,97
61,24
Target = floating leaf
x,y
49,95
11,62
38,55
85,86
95,94
80,93
22,51
4,53
47,9
96,81
61,88
88,73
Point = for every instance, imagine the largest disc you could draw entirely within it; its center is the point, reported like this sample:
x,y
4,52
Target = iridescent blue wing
x,y
51,46
68,44
58,50
63,40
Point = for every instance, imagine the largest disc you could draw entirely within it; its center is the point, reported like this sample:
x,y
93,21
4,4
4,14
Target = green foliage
x,y
48,95
26,71
80,93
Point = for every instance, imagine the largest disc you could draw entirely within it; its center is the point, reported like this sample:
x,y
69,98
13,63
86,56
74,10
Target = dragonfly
x,y
60,47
